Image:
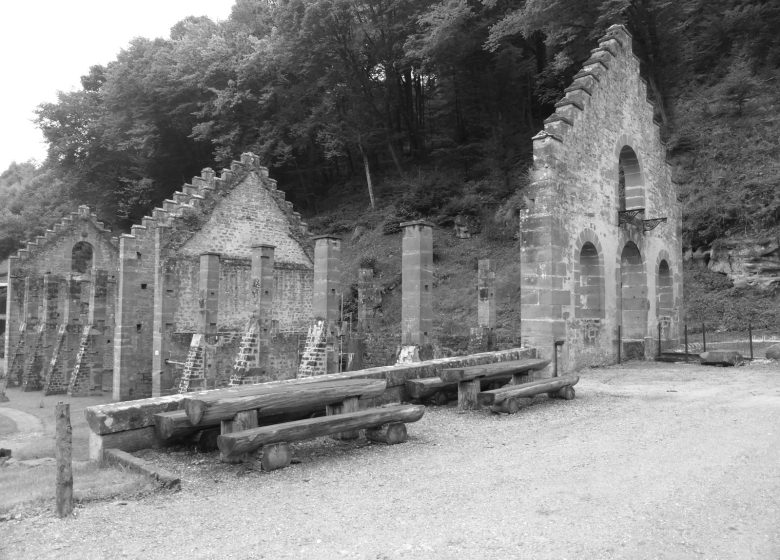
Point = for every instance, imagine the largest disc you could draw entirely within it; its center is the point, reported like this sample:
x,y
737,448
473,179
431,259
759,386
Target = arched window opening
x,y
665,295
631,192
633,294
81,257
589,301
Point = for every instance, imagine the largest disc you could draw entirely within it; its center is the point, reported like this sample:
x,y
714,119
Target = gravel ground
x,y
649,461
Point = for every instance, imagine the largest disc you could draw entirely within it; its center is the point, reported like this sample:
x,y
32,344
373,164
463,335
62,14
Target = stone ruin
x,y
220,286
601,253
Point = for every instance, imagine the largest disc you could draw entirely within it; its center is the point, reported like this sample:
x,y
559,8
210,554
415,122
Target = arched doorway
x,y
633,303
81,258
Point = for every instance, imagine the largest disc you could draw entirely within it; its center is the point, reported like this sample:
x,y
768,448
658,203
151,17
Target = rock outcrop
x,y
748,261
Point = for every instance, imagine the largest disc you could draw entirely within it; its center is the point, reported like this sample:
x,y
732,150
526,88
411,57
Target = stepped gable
x,y
82,225
229,213
595,74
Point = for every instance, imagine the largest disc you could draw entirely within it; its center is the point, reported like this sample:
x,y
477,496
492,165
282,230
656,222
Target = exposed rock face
x,y
721,358
773,352
748,261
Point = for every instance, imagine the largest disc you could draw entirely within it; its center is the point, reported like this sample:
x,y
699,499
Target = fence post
x,y
63,449
750,337
620,344
659,340
704,337
686,342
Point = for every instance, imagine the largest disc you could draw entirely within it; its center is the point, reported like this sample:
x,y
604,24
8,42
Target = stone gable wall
x,y
574,199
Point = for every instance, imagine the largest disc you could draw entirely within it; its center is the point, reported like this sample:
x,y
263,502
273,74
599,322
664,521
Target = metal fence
x,y
700,337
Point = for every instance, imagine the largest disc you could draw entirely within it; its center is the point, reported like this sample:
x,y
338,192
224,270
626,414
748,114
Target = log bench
x,y
386,424
507,399
469,379
272,404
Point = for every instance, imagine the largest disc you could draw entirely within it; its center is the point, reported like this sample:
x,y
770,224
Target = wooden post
x,y
620,344
63,451
240,422
467,394
276,456
686,342
658,353
750,338
389,433
704,337
350,404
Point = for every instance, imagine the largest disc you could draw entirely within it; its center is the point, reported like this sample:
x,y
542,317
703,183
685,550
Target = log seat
x,y
507,399
386,424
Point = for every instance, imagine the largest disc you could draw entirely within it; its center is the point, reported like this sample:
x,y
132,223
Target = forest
x,y
429,103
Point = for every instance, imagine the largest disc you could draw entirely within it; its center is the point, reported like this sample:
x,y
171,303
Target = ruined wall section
x,y
51,253
574,200
225,215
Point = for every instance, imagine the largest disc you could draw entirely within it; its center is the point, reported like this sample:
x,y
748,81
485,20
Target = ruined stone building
x,y
601,252
214,288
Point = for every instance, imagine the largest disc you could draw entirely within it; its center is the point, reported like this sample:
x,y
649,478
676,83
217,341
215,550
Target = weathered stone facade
x,y
53,286
597,265
175,304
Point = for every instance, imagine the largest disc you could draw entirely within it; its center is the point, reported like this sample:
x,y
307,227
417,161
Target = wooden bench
x,y
386,424
272,404
469,379
507,399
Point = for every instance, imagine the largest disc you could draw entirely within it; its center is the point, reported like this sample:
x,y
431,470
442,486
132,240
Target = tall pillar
x,y
14,325
417,283
483,336
263,291
327,278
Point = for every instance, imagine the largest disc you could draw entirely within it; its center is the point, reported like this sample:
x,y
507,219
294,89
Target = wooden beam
x,y
350,404
238,443
492,370
426,387
175,425
497,396
278,399
242,421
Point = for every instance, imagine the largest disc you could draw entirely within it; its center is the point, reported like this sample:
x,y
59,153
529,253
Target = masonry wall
x,y
574,202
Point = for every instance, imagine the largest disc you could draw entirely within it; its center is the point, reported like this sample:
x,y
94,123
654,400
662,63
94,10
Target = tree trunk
x,y
368,174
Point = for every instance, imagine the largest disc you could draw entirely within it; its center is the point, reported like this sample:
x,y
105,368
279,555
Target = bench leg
x,y
520,378
349,405
241,421
467,394
389,433
276,456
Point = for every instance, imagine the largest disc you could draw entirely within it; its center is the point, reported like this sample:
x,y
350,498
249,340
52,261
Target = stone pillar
x,y
134,316
483,336
263,292
14,323
417,283
327,278
208,293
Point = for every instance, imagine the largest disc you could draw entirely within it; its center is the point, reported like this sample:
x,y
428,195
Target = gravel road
x,y
649,461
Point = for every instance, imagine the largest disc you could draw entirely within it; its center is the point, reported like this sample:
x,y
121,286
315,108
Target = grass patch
x,y
25,486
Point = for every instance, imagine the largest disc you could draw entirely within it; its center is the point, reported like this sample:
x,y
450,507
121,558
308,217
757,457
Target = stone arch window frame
x,y
663,257
588,237
638,199
91,263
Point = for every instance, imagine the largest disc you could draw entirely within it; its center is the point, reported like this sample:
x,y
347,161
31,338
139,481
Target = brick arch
x,y
589,277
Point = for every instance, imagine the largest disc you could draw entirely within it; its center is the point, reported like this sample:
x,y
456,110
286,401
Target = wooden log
x,y
276,456
467,394
496,396
491,370
171,426
238,443
426,387
129,415
348,405
279,399
242,421
389,433
63,452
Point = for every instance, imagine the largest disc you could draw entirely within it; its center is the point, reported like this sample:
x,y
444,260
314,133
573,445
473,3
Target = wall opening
x,y
633,302
665,290
589,287
81,257
631,189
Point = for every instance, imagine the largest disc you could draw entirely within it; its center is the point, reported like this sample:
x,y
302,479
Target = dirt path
x,y
650,461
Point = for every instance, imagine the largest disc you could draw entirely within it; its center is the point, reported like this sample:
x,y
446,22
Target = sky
x,y
47,45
